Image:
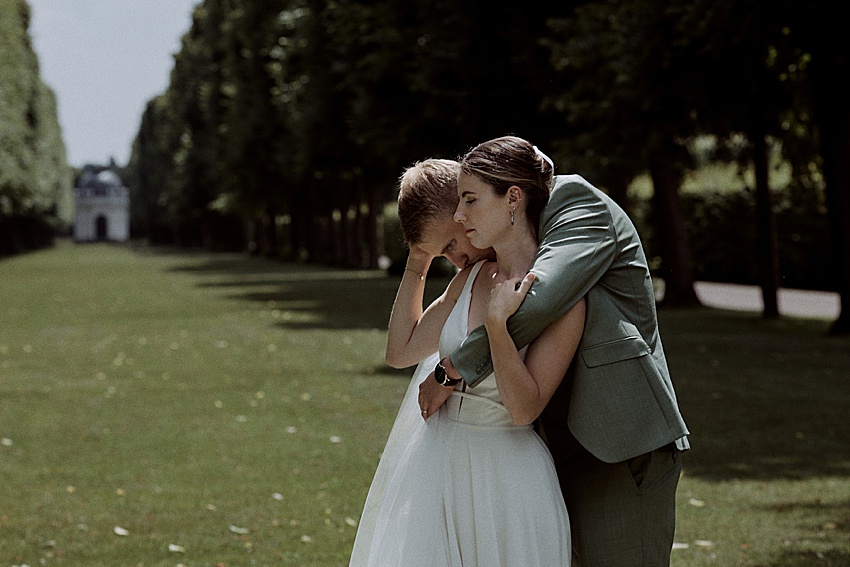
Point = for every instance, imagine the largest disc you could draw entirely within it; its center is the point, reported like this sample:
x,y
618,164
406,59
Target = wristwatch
x,y
442,377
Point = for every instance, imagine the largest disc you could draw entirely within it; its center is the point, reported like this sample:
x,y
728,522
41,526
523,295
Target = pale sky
x,y
105,59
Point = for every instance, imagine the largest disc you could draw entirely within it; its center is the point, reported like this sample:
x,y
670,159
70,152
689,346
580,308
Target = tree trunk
x,y
835,150
766,225
670,226
273,248
338,228
301,227
833,118
353,241
372,226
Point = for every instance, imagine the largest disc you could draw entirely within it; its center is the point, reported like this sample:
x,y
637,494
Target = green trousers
x,y
621,514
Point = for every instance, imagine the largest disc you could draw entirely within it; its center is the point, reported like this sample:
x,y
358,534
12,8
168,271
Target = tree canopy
x,y
34,175
286,123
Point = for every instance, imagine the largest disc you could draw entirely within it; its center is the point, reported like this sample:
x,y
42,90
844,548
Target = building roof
x,y
99,178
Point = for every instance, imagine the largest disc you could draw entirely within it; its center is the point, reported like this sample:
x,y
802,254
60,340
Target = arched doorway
x,y
100,228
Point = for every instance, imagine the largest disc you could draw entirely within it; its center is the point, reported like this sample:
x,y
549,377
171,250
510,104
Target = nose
x,y
459,217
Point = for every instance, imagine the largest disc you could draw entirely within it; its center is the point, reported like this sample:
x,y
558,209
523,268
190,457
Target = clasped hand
x,y
505,298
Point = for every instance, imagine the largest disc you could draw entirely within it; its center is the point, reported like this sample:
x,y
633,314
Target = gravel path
x,y
793,302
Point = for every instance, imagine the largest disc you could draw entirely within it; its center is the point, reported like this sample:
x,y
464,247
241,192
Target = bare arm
x,y
577,247
526,385
414,334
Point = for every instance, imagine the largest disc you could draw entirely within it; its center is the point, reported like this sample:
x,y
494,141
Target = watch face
x,y
440,374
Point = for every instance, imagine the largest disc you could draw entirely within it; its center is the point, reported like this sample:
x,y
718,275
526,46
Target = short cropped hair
x,y
427,190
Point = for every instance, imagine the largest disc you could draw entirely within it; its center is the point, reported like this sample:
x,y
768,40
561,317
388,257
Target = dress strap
x,y
466,296
455,328
467,287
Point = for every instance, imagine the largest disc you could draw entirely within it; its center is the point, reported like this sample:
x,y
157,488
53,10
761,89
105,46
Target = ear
x,y
514,194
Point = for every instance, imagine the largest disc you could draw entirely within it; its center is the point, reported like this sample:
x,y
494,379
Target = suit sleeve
x,y
577,247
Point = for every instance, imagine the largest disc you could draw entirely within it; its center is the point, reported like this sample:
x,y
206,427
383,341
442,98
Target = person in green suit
x,y
614,426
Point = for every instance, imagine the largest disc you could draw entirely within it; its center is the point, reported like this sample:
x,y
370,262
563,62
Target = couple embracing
x,y
541,427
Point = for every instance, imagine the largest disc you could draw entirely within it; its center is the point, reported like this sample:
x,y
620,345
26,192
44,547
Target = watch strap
x,y
442,377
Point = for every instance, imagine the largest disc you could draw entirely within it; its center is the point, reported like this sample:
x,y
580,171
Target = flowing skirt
x,y
449,493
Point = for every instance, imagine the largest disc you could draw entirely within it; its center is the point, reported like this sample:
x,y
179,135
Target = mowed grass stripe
x,y
229,410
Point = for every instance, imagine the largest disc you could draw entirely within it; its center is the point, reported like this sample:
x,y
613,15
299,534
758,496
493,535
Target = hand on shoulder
x,y
505,298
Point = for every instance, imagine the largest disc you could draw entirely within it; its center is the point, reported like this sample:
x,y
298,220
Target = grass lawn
x,y
163,407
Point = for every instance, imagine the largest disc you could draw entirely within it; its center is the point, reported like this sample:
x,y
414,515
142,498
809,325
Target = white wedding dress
x,y
466,488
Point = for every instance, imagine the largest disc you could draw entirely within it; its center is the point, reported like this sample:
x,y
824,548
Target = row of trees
x,y
35,180
287,122
646,82
300,115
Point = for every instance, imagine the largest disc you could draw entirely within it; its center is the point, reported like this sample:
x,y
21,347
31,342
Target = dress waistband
x,y
467,408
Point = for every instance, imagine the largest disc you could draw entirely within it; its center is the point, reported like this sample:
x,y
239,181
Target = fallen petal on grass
x,y
677,545
174,548
238,530
697,503
120,531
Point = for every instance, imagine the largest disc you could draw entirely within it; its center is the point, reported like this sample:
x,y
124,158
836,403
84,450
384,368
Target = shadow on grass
x,y
809,517
828,558
763,400
306,297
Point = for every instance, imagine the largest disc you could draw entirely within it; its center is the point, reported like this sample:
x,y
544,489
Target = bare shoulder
x,y
457,283
485,275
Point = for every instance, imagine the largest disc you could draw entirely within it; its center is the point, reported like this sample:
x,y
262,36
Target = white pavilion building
x,y
102,207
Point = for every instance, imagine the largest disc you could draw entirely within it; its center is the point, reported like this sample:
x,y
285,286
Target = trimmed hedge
x,y
722,232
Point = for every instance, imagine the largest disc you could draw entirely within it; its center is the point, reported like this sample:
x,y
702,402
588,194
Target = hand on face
x,y
505,297
420,255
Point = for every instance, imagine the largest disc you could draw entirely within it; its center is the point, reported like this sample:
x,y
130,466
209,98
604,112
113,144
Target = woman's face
x,y
484,214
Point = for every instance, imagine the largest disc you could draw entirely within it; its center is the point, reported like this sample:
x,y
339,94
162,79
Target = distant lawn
x,y
164,407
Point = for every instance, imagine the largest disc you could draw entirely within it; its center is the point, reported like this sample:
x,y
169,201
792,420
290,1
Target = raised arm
x,y
414,334
578,245
527,384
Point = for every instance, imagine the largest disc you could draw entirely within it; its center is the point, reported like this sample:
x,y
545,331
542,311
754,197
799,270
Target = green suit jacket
x,y
621,399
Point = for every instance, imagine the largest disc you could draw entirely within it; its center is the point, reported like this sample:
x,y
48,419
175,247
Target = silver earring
x,y
512,218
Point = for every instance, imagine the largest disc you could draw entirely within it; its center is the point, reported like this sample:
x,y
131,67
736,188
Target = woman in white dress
x,y
474,485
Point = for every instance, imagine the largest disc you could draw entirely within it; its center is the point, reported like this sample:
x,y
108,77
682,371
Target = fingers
x,y
526,282
431,397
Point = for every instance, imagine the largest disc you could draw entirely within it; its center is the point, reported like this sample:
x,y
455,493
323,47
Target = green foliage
x,y
286,122
720,229
307,111
34,176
